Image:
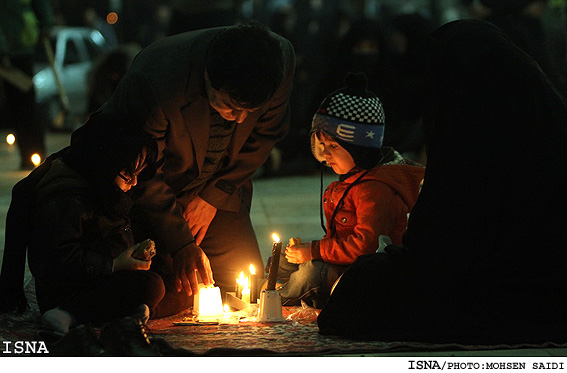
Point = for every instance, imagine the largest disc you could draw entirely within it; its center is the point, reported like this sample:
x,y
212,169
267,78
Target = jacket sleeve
x,y
375,206
223,189
67,244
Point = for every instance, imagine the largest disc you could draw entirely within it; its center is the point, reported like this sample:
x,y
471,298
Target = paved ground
x,y
287,205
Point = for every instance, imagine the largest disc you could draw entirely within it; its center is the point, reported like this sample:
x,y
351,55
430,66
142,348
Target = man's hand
x,y
199,214
298,253
187,262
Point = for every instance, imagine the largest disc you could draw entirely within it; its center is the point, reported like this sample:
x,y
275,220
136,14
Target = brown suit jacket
x,y
164,91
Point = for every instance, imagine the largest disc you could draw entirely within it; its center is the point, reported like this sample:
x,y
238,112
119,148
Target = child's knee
x,y
154,289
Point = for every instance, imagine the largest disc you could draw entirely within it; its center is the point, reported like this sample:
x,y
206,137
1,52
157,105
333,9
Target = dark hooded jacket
x,y
484,257
78,219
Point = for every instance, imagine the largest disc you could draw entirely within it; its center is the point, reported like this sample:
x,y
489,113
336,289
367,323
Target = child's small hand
x,y
298,253
294,241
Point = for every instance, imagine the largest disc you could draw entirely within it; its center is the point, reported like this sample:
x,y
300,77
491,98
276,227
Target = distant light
x,y
11,139
36,159
112,18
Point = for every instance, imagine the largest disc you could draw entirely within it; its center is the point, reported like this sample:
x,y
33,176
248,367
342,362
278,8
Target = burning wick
x,y
10,139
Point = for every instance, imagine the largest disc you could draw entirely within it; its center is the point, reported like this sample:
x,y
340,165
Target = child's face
x,y
335,155
125,180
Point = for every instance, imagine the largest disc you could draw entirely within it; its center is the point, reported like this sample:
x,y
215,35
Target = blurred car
x,y
74,50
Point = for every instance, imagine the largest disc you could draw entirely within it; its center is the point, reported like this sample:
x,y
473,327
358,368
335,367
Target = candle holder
x,y
270,306
208,304
236,303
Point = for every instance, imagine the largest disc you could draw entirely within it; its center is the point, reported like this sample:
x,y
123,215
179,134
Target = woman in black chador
x,y
484,258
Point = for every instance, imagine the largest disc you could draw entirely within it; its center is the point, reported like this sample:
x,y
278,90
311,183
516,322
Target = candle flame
x,y
11,139
252,269
276,237
241,280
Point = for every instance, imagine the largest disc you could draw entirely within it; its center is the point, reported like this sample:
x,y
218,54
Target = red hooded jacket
x,y
378,204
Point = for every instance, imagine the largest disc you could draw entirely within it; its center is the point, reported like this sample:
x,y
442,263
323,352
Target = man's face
x,y
224,105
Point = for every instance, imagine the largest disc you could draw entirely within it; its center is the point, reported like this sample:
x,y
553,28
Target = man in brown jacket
x,y
217,102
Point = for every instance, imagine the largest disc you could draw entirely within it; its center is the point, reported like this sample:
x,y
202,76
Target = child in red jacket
x,y
376,190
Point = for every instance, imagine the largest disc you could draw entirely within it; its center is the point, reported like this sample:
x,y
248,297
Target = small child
x,y
376,190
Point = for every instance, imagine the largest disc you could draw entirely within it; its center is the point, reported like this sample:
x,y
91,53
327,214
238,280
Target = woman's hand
x,y
125,261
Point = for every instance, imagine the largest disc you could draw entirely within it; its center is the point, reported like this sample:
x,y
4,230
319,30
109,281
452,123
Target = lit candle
x,y
246,292
240,284
276,250
253,285
208,304
226,312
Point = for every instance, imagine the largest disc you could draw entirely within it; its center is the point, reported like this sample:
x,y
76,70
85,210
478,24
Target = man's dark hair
x,y
247,62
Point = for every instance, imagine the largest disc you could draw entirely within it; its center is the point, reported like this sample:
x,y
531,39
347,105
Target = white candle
x,y
246,293
208,304
253,285
241,282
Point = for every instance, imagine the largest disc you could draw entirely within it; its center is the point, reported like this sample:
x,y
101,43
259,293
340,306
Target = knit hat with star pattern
x,y
355,118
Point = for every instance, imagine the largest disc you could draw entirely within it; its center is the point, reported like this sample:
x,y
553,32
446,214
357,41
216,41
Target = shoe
x,y
58,320
81,341
142,313
127,337
49,336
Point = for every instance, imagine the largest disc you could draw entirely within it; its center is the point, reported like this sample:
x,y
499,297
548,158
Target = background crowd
x,y
382,38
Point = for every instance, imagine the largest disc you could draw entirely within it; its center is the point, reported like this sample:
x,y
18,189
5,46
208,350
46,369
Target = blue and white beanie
x,y
355,118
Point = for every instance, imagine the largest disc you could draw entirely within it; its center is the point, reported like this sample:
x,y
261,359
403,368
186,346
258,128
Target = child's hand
x,y
294,241
125,261
298,252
